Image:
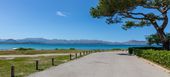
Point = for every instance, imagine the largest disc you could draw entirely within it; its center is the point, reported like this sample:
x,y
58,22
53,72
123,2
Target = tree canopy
x,y
154,39
117,10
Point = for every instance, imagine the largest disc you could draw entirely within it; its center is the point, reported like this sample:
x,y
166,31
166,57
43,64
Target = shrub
x,y
132,49
161,57
72,49
24,49
56,48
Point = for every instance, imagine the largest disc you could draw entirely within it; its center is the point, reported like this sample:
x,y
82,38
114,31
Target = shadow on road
x,y
123,54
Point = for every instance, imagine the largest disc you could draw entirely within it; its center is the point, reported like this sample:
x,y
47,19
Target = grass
x,y
26,66
33,52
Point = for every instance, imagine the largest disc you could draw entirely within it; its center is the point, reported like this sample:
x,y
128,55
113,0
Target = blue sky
x,y
60,19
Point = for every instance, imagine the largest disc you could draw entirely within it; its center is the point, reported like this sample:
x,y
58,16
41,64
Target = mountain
x,y
8,41
60,41
135,42
33,40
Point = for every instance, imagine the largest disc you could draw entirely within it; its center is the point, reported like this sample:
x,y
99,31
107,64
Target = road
x,y
104,64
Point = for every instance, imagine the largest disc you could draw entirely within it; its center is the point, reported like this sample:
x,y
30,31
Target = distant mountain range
x,y
58,41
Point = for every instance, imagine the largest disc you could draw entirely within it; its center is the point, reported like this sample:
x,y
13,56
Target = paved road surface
x,y
105,64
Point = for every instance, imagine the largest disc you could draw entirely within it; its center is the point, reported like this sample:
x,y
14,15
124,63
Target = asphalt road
x,y
104,64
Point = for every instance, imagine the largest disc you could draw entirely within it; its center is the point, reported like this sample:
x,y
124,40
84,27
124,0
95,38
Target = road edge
x,y
155,65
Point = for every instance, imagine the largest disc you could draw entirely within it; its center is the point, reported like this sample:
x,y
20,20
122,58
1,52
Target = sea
x,y
66,46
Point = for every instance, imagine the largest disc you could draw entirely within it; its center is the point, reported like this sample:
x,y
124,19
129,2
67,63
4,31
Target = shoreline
x,y
66,46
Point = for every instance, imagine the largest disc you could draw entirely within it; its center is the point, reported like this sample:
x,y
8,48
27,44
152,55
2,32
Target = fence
x,y
37,64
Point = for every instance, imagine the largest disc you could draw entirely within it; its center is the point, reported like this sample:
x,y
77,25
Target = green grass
x,y
33,52
26,66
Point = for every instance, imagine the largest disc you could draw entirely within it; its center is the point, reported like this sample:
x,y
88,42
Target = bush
x,y
24,49
161,57
56,49
132,50
72,49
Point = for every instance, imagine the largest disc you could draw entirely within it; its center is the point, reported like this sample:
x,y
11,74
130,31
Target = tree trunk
x,y
161,33
164,39
166,45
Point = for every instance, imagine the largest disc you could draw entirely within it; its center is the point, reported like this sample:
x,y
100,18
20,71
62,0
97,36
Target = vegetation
x,y
72,49
158,56
33,52
116,49
132,50
56,48
154,39
24,49
26,66
117,10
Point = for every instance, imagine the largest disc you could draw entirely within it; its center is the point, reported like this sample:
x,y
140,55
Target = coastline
x,y
4,47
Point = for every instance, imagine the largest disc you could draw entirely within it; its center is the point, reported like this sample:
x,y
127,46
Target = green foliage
x,y
56,49
130,24
132,50
26,66
154,39
72,49
116,10
24,49
158,56
111,7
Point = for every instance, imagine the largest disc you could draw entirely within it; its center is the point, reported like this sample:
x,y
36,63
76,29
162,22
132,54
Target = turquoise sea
x,y
65,46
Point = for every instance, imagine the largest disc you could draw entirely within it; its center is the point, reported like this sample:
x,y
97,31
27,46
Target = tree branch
x,y
156,26
150,7
165,23
131,15
164,11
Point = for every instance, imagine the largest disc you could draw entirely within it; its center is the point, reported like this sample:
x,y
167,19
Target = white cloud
x,y
60,13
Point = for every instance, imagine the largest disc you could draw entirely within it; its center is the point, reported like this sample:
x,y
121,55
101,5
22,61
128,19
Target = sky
x,y
60,19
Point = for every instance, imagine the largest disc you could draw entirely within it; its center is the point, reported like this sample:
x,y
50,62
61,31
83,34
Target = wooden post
x,y
76,55
70,57
36,64
80,54
12,71
52,61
